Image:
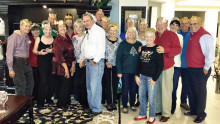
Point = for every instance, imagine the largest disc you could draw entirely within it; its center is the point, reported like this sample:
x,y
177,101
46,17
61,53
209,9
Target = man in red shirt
x,y
168,44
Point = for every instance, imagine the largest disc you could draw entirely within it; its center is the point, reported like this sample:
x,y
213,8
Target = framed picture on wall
x,y
134,12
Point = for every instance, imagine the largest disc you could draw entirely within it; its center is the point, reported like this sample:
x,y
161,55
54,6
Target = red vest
x,y
194,55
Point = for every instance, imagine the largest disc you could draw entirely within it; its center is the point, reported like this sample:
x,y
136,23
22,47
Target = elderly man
x,y
99,14
129,23
185,32
94,49
168,43
199,57
17,59
51,18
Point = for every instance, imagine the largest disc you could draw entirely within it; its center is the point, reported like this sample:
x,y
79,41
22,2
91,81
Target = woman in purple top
x,y
65,66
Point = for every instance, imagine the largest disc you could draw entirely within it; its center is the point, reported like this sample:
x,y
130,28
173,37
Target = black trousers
x,y
197,90
111,83
46,86
80,84
36,81
63,92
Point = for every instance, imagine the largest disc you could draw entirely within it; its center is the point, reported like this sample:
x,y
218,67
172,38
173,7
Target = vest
x,y
194,55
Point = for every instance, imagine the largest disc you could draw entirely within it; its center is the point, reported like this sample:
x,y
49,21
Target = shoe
x,y
160,113
185,106
109,107
190,113
133,109
114,107
164,119
199,119
140,118
137,104
125,110
148,122
93,114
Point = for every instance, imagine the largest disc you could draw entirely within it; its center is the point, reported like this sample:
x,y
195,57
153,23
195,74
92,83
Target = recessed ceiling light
x,y
44,6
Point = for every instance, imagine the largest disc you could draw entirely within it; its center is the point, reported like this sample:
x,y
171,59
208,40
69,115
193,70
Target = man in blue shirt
x,y
129,23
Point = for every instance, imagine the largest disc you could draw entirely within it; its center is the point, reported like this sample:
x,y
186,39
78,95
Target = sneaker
x,y
140,118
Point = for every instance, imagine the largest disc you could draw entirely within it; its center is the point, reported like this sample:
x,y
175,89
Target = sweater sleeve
x,y
119,57
159,67
175,48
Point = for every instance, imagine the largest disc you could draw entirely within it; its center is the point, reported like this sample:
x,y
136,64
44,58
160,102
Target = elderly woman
x,y
142,26
43,48
174,27
126,63
68,19
80,74
35,31
65,63
111,79
150,68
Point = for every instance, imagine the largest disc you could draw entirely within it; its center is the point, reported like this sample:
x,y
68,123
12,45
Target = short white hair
x,y
135,31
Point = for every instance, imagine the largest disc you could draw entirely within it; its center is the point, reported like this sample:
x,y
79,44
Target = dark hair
x,y
175,22
35,28
68,14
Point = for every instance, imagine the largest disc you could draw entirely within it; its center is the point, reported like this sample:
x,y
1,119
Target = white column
x,y
168,9
210,22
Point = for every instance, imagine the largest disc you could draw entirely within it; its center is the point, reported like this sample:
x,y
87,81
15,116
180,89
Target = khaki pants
x,y
164,92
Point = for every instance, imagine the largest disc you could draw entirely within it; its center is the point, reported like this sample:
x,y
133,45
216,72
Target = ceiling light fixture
x,y
44,6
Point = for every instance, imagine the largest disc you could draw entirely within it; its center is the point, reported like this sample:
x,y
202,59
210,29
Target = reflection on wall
x,y
2,27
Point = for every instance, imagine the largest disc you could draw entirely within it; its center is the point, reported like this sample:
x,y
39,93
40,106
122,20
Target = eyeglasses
x,y
193,24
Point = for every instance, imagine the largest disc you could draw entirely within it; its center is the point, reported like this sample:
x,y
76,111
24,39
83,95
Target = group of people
x,y
91,50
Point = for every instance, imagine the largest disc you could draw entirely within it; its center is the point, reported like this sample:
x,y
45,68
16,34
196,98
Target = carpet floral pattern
x,y
75,114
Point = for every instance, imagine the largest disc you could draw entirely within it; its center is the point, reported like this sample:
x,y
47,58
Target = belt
x,y
88,60
20,58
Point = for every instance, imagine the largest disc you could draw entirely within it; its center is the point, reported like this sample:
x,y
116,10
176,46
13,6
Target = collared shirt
x,y
177,58
208,50
17,46
94,47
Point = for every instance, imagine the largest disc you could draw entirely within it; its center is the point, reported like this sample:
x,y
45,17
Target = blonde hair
x,y
133,29
162,19
45,23
144,21
113,25
79,22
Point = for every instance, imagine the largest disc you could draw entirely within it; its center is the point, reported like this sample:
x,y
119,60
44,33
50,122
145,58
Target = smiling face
x,y
62,29
25,28
69,22
112,31
35,32
195,25
161,27
104,24
99,15
184,24
78,28
174,27
142,26
47,30
131,34
88,21
149,37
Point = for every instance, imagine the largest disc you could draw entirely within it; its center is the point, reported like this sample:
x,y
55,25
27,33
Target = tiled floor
x,y
212,110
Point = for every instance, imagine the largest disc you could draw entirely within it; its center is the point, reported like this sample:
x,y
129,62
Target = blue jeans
x,y
145,87
94,85
128,86
185,79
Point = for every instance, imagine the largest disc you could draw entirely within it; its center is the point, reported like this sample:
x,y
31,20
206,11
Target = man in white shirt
x,y
94,50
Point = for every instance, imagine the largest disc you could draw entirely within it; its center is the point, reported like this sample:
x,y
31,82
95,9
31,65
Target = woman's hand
x,y
108,65
119,75
17,32
152,82
67,74
49,50
42,52
72,70
139,49
137,79
82,63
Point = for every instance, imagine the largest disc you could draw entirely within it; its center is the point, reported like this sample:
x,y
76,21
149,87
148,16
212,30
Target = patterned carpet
x,y
75,114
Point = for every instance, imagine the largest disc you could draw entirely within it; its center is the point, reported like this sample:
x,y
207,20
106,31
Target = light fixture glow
x,y
44,6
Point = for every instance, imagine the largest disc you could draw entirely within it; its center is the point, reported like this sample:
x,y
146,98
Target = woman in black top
x,y
43,48
150,68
